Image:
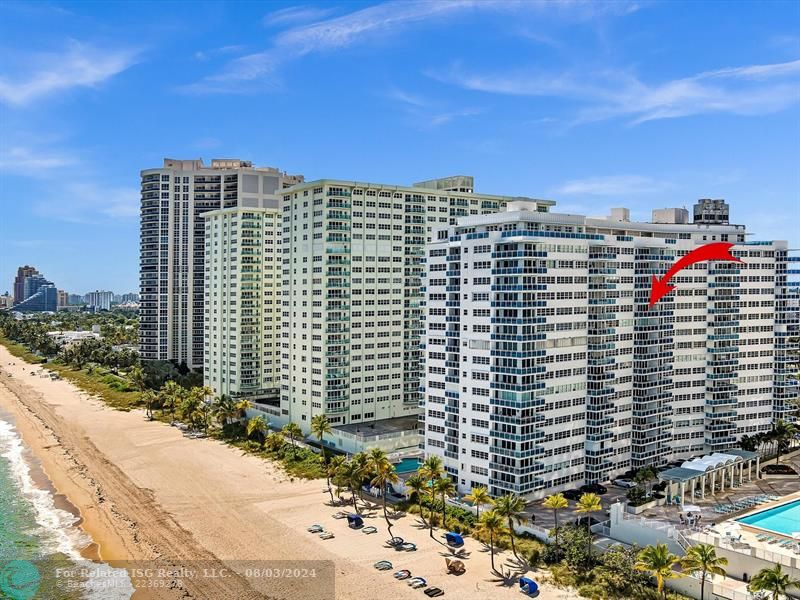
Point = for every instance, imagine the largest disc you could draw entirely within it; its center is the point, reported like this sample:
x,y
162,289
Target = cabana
x,y
528,586
712,473
355,521
454,539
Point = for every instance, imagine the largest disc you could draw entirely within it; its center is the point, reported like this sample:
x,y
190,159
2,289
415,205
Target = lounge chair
x,y
408,547
326,535
369,529
417,583
434,592
316,528
383,565
404,574
456,567
395,541
340,515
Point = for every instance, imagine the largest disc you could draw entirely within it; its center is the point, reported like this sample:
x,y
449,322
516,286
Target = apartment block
x,y
174,199
351,290
242,303
545,368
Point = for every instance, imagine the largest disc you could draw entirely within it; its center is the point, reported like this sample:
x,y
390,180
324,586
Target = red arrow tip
x,y
658,290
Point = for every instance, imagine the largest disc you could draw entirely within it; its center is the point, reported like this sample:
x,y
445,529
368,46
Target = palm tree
x,y
415,485
385,476
511,507
333,471
319,427
148,397
138,379
225,409
479,496
659,562
556,502
445,487
274,441
772,580
782,432
351,475
257,426
588,504
363,468
703,558
494,524
292,431
171,393
242,406
431,470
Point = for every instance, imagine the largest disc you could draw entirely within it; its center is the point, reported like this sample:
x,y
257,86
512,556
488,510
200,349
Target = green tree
x,y
138,379
224,409
384,475
782,433
431,470
415,486
171,394
293,432
659,562
772,580
478,497
703,559
493,524
258,427
320,426
445,487
589,504
556,502
351,474
512,508
274,441
149,398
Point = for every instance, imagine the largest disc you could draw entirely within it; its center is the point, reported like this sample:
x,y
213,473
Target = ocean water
x,y
40,543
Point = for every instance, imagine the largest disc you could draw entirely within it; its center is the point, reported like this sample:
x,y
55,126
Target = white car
x,y
624,483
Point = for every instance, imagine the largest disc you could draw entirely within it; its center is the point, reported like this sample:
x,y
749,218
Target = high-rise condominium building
x,y
99,300
242,302
37,293
63,298
19,282
546,369
351,295
174,198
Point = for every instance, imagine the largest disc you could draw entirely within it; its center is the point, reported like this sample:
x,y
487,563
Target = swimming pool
x,y
783,519
407,465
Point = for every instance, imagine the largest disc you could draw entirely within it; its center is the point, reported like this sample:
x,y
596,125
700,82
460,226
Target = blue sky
x,y
594,105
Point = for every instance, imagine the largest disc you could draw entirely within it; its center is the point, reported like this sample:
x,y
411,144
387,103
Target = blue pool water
x,y
784,519
407,465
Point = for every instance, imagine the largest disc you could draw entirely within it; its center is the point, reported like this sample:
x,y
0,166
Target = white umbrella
x,y
691,507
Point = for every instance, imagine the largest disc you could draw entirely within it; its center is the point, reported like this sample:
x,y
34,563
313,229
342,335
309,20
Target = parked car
x,y
624,483
593,488
572,494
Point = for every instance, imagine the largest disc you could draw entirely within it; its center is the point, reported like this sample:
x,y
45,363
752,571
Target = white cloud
x,y
80,65
747,90
388,17
427,113
23,160
296,14
612,185
90,203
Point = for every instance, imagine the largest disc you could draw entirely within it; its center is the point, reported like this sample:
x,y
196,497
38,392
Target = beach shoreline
x,y
148,494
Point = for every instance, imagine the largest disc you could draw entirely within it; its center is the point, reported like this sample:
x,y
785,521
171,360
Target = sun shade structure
x,y
711,473
355,521
454,539
529,586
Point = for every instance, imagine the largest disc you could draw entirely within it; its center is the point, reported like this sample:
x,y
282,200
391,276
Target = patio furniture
x,y
395,541
404,574
370,529
316,528
418,582
326,535
383,565
408,547
434,592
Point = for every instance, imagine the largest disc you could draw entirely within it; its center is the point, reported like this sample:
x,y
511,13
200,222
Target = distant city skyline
x,y
593,105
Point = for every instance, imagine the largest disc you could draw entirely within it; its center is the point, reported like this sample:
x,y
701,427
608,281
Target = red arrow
x,y
714,251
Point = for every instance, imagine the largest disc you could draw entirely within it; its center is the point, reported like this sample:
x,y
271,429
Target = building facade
x,y
172,245
43,299
19,282
99,300
351,297
242,303
545,368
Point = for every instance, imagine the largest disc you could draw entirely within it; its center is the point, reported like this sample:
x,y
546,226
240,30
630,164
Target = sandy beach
x,y
148,494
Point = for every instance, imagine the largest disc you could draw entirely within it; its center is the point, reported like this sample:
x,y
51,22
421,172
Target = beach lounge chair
x,y
326,535
404,574
395,541
340,515
528,586
316,528
408,547
369,529
434,592
355,521
383,565
418,582
456,567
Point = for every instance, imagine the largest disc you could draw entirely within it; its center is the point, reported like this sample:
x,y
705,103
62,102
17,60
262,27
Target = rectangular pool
x,y
783,519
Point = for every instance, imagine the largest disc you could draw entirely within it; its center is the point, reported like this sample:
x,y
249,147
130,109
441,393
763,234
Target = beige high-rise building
x,y
174,199
242,303
351,289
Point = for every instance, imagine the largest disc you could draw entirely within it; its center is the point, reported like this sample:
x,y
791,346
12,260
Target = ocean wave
x,y
57,529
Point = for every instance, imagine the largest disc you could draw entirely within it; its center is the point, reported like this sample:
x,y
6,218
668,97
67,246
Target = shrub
x,y
778,470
